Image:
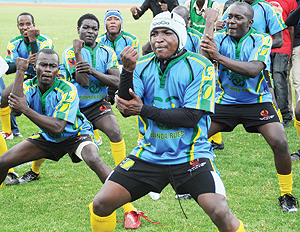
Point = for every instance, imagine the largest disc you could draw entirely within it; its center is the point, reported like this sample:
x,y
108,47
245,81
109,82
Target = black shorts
x,y
250,115
96,111
58,150
140,177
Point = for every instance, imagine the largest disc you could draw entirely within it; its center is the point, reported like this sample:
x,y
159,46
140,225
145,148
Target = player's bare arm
x,y
249,69
129,57
131,107
111,79
163,5
32,33
82,77
210,16
51,125
277,40
17,87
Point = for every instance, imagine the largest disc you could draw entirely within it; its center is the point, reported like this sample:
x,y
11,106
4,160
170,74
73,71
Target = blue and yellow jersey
x,y
193,40
188,81
125,39
18,48
266,19
101,58
60,101
235,88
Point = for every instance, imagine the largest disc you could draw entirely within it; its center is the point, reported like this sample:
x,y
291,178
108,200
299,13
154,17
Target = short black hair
x,y
25,13
250,11
46,51
87,16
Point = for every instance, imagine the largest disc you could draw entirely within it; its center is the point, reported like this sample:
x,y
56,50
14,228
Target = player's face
x,y
25,23
113,25
164,43
88,32
238,23
46,69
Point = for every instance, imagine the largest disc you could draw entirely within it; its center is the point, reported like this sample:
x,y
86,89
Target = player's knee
x,y
114,135
101,206
221,213
90,154
280,144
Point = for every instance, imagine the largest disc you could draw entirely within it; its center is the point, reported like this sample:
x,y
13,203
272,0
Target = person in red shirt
x,y
280,58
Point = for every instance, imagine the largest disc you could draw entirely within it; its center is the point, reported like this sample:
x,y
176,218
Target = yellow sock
x,y
3,149
102,224
128,207
118,151
36,165
96,135
5,119
241,227
217,138
285,183
297,126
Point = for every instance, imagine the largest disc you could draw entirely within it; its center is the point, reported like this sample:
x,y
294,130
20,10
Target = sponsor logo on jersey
x,y
72,62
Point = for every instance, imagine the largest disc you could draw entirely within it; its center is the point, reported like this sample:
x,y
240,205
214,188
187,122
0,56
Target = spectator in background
x,y
280,58
197,9
294,65
156,6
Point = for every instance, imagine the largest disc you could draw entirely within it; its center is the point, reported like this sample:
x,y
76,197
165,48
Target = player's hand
x,y
210,15
21,63
17,104
132,107
129,56
209,45
32,33
83,67
134,10
220,25
78,45
164,6
31,58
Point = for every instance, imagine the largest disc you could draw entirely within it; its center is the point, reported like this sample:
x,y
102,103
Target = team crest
x,y
127,163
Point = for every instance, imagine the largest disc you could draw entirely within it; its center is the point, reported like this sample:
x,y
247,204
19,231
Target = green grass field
x,y
59,201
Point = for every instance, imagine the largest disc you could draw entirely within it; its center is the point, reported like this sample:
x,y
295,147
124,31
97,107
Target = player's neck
x,y
113,36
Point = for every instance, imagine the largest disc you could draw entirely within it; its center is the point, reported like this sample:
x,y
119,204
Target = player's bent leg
x,y
102,224
109,125
88,152
110,197
215,128
275,136
216,207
